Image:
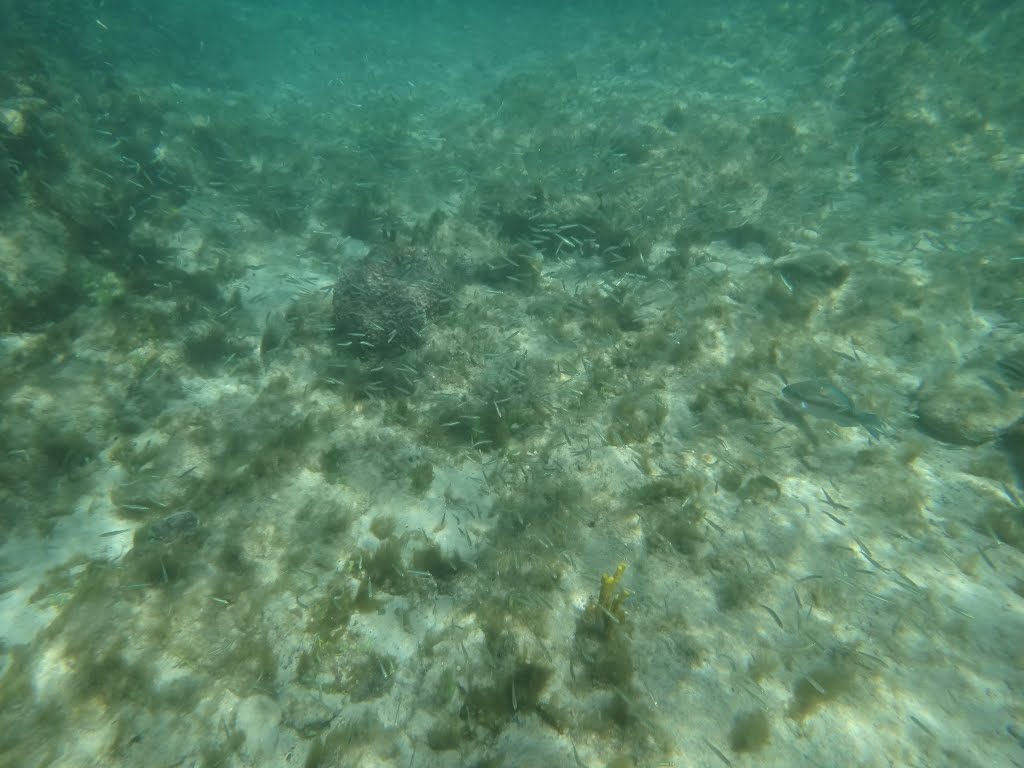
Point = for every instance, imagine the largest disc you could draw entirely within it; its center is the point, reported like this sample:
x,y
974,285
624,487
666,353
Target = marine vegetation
x,y
607,612
603,636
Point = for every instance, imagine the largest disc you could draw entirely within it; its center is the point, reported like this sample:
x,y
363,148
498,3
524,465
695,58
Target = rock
x,y
966,407
307,713
174,526
12,120
812,266
383,302
38,285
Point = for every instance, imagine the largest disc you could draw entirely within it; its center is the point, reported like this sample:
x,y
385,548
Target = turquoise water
x,y
403,386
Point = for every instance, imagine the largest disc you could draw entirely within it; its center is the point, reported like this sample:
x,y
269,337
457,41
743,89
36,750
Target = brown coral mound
x,y
383,302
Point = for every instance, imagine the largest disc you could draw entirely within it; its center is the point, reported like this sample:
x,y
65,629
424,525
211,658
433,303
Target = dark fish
x,y
826,401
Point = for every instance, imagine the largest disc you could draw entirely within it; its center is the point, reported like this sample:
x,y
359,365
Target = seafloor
x,y
335,393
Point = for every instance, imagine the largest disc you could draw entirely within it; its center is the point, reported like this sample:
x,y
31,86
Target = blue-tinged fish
x,y
826,401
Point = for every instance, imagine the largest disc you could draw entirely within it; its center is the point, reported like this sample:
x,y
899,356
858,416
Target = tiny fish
x,y
826,401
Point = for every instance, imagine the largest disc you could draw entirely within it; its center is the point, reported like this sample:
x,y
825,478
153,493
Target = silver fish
x,y
826,401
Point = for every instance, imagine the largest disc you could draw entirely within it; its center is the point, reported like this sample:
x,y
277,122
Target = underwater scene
x,y
512,384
